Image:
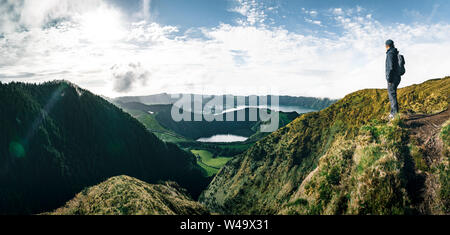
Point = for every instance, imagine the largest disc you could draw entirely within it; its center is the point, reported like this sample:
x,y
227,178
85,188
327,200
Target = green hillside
x,y
210,163
58,139
158,119
349,141
124,195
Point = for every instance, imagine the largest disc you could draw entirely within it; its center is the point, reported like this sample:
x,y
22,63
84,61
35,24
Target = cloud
x,y
316,22
338,11
15,76
27,14
239,57
126,77
94,44
420,16
312,13
252,10
149,34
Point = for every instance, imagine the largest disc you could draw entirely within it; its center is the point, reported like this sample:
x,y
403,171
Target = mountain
x,y
347,159
124,195
161,114
58,139
164,98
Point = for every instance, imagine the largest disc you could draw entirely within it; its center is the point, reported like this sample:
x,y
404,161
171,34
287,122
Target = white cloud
x,y
312,13
338,11
316,22
252,10
238,59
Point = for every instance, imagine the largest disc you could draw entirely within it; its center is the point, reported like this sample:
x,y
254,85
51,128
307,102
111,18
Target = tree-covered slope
x,y
268,177
124,195
56,139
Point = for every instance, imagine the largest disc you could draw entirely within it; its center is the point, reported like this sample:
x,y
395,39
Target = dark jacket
x,y
392,67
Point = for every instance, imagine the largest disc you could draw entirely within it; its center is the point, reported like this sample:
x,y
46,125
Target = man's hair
x,y
390,43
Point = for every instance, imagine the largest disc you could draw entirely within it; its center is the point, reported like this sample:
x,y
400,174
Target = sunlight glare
x,y
102,25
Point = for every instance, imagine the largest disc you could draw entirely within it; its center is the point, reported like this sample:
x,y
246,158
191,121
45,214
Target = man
x,y
392,76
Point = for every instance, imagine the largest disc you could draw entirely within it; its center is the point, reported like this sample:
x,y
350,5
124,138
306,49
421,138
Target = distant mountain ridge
x,y
58,138
164,98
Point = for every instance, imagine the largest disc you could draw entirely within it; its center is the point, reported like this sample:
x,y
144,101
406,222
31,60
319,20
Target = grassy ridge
x,y
361,176
150,122
124,195
266,176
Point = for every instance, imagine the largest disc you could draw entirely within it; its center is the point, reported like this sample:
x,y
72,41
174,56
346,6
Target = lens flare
x,y
16,149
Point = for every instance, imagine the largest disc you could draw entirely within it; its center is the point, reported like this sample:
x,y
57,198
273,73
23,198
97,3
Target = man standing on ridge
x,y
393,75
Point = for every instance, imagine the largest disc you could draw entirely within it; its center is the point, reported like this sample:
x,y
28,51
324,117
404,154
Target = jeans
x,y
392,92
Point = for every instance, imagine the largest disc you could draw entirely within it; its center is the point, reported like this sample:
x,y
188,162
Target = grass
x,y
209,171
370,155
418,158
124,195
210,163
361,176
287,157
150,122
444,170
445,133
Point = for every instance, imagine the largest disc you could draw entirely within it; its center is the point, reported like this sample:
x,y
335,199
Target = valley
x,y
344,159
217,138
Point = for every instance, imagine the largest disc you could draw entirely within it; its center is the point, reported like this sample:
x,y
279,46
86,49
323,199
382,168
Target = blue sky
x,y
325,48
207,13
287,13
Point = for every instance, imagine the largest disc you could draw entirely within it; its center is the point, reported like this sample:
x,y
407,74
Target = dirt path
x,y
426,129
424,186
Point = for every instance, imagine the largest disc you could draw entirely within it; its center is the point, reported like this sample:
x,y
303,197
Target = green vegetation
x,y
208,171
444,169
418,158
218,149
363,152
209,162
370,155
209,159
66,138
124,195
157,119
359,177
445,135
147,119
150,122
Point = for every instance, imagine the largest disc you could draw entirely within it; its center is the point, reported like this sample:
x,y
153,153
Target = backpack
x,y
401,65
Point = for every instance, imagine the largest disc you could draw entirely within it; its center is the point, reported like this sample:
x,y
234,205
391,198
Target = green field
x,y
150,122
210,163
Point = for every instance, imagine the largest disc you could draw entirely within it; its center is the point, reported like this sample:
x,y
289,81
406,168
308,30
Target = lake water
x,y
223,139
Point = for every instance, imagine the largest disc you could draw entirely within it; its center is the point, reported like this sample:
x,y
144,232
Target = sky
x,y
326,48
